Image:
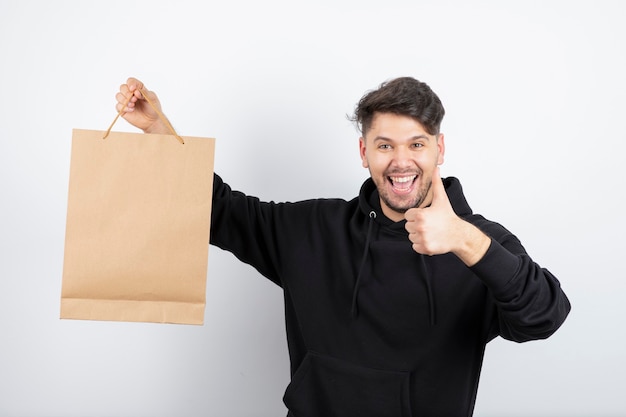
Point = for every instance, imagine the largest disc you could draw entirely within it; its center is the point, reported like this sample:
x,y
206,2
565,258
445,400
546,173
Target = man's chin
x,y
399,207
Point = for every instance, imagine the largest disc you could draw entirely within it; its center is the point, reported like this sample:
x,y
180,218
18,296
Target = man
x,y
390,298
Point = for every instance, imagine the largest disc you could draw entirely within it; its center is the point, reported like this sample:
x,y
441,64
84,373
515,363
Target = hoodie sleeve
x,y
243,225
529,300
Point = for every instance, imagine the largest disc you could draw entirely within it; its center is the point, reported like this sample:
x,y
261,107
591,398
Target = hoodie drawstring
x,y
429,293
425,273
354,309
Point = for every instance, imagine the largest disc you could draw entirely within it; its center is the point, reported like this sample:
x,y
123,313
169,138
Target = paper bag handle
x,y
161,116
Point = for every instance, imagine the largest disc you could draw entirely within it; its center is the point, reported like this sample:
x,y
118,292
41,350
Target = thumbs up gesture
x,y
436,229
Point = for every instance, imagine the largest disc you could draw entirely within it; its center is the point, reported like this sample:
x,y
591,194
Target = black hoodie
x,y
374,328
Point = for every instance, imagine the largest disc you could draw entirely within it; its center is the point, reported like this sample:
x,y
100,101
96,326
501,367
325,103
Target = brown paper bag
x,y
137,232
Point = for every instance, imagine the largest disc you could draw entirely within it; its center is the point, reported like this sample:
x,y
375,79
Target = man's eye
x,y
384,146
418,145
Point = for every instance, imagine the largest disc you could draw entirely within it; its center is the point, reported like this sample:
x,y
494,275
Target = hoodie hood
x,y
369,203
369,200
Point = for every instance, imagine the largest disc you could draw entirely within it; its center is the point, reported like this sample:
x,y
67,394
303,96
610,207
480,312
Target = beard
x,y
400,204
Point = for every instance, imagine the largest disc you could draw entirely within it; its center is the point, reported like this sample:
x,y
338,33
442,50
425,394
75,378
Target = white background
x,y
535,100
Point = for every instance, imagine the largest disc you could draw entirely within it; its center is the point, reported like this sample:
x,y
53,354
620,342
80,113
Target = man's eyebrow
x,y
386,139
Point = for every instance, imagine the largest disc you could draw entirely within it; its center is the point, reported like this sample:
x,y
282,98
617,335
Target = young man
x,y
390,298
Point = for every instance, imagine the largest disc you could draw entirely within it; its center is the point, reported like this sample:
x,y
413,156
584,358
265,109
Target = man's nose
x,y
402,156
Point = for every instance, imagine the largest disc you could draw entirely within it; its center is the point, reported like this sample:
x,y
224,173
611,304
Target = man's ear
x,y
362,152
441,145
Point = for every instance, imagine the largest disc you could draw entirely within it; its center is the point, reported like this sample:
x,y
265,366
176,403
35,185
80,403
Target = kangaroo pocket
x,y
324,386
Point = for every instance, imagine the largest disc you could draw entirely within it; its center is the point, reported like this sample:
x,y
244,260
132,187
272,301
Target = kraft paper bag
x,y
137,231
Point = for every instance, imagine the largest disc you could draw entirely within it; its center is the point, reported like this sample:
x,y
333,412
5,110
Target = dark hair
x,y
404,96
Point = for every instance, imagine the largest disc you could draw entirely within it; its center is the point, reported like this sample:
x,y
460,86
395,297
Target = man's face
x,y
401,157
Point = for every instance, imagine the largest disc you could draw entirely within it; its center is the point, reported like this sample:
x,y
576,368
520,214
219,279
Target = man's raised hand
x,y
436,229
135,108
431,229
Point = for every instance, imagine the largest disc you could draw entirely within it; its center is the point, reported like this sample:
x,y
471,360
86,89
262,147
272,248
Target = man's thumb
x,y
439,190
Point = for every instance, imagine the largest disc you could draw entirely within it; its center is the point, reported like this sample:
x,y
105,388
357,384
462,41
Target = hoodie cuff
x,y
497,267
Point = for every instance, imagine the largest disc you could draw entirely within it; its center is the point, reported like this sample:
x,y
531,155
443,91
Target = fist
x,y
134,107
433,230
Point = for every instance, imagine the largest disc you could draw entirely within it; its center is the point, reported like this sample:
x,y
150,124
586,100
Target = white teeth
x,y
402,179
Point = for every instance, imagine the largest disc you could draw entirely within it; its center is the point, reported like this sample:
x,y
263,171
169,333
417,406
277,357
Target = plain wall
x,y
535,100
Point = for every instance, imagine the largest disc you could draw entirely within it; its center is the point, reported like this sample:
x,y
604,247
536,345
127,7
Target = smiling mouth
x,y
402,184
